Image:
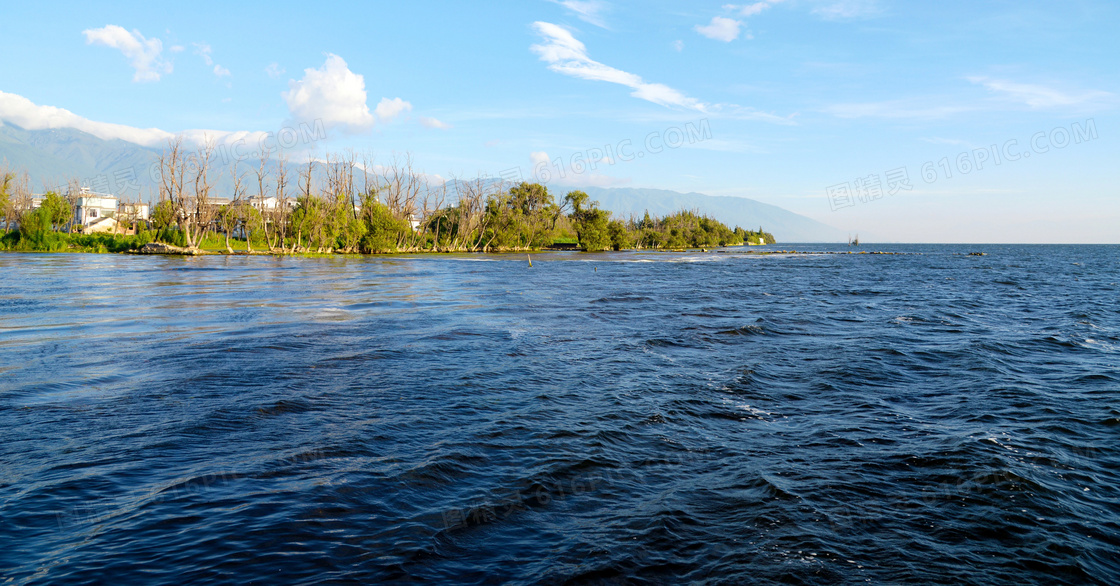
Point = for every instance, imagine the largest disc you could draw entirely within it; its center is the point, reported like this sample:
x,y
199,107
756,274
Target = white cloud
x,y
203,50
848,9
1037,96
143,54
678,45
751,9
176,48
1032,96
540,161
333,94
893,109
274,70
427,122
20,111
387,110
432,179
564,54
586,10
720,29
592,180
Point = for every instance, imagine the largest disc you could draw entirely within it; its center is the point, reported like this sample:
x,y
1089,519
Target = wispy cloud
x,y
751,9
848,9
428,122
588,178
143,54
725,146
564,54
590,11
388,110
1037,96
203,50
720,29
894,109
206,52
274,70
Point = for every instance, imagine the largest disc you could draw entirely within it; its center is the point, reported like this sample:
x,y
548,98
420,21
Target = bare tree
x,y
172,187
281,199
305,178
203,211
261,196
7,189
431,203
230,215
73,194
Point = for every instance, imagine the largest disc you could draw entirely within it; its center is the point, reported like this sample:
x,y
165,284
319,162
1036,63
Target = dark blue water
x,y
598,418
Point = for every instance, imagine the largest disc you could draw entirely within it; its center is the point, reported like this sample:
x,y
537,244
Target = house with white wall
x,y
92,208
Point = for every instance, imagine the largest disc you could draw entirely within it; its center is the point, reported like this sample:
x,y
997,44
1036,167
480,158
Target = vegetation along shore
x,y
334,204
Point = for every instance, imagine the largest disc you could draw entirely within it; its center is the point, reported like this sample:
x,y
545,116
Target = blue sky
x,y
792,101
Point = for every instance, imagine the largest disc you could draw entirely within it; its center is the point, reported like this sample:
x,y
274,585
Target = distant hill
x,y
785,225
54,156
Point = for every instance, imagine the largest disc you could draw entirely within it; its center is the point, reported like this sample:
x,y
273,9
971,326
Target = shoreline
x,y
278,254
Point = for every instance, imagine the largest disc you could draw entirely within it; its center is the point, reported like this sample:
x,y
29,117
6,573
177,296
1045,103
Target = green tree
x,y
228,220
307,219
619,235
590,222
57,209
6,179
592,230
383,230
576,199
163,216
34,223
251,221
523,218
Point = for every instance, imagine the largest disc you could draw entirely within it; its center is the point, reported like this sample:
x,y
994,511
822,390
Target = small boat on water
x,y
852,242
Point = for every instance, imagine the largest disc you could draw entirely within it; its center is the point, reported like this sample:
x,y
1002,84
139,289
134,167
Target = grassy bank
x,y
50,241
63,242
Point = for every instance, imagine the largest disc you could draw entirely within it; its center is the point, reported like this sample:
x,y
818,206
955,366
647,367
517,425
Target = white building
x,y
263,203
101,212
129,212
270,203
92,208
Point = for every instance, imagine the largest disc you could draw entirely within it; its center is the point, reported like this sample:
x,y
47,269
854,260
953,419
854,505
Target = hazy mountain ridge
x,y
785,225
54,156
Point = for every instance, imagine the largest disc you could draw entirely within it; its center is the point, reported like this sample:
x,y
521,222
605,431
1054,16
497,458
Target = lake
x,y
721,417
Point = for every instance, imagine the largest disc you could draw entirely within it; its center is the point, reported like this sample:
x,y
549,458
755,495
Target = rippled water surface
x,y
597,418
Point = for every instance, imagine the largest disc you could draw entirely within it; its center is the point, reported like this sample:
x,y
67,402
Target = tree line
x,y
348,204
